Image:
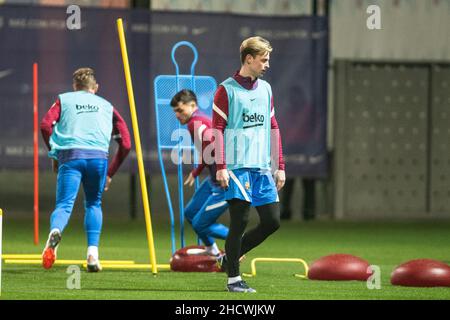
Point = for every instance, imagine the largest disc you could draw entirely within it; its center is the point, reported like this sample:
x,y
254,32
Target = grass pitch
x,y
386,244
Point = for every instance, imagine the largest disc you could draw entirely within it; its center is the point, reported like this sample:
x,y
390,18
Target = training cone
x,y
340,267
193,259
421,273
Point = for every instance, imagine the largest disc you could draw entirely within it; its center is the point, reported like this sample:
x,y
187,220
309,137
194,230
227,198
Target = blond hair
x,y
84,78
254,46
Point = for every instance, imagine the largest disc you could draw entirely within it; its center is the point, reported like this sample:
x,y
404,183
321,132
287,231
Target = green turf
x,y
383,244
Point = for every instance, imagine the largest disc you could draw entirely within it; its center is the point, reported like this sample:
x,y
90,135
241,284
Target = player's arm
x,y
121,135
47,123
197,138
206,139
279,175
194,174
49,120
220,119
197,171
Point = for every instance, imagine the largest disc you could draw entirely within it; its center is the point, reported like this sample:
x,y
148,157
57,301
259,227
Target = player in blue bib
x,y
247,139
77,130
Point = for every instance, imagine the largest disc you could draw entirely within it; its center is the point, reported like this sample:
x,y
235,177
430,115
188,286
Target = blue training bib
x,y
247,135
85,123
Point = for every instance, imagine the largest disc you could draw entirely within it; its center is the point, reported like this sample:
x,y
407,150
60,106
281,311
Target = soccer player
x,y
77,130
208,202
247,129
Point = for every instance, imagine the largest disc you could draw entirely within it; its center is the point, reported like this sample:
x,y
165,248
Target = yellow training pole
x,y
137,140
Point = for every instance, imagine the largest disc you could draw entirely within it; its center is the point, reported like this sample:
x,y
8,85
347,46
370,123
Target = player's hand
x,y
222,178
190,180
107,183
280,179
55,165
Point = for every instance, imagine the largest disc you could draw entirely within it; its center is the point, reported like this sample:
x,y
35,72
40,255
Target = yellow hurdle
x,y
132,266
301,261
69,262
21,256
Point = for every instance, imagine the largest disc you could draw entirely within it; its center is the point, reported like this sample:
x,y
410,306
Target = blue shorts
x,y
252,185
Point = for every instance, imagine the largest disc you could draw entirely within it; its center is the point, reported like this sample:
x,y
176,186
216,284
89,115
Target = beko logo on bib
x,y
254,120
86,108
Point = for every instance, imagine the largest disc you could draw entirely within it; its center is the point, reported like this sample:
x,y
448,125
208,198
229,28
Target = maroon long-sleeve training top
x,y
199,127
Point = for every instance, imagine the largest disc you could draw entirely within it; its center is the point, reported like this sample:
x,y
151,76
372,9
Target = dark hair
x,y
184,96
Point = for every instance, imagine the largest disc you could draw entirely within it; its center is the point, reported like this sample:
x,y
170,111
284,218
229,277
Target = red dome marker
x,y
340,267
422,273
193,259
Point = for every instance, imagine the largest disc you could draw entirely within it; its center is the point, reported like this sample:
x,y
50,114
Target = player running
x,y
77,130
208,202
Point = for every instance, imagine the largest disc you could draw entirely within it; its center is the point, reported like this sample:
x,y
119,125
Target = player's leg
x,y
93,184
265,200
269,222
239,197
204,222
239,216
218,207
197,201
67,185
